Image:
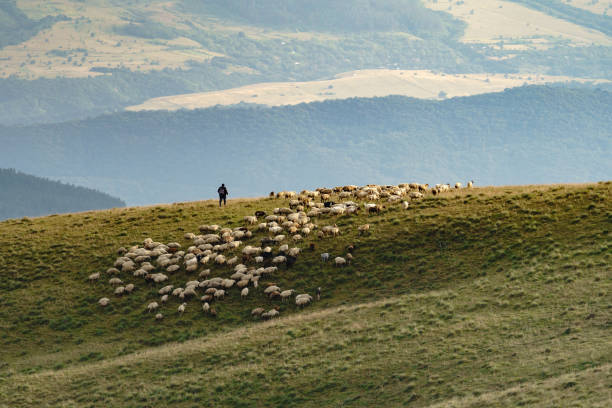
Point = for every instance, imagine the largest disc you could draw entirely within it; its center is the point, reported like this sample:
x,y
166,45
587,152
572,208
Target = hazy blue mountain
x,y
523,135
26,195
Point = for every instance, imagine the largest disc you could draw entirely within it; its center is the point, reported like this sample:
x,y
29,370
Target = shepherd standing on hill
x,y
222,194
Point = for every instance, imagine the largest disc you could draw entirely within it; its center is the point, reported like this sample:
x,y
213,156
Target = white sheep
x,y
470,184
181,308
164,299
270,289
303,299
244,293
152,306
279,259
325,257
339,261
104,301
286,294
259,259
129,288
206,307
115,281
159,316
94,277
219,294
405,205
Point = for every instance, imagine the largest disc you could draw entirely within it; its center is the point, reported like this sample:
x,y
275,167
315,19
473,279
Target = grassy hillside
x,y
490,296
523,135
25,195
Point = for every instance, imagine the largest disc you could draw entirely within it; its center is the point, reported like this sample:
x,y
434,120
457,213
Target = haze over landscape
x,y
419,203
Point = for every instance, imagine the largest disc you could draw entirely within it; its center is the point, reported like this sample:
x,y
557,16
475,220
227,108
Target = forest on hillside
x,y
534,134
25,195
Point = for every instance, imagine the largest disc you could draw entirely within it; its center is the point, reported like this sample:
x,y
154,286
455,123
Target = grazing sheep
x,y
206,307
339,261
349,258
129,288
415,195
257,311
363,229
104,301
286,294
115,281
325,257
94,277
204,273
128,266
112,271
181,308
219,294
259,259
165,290
270,314
405,205
244,293
458,185
172,268
303,300
164,299
159,277
250,219
152,306
159,316
470,184
271,288
279,259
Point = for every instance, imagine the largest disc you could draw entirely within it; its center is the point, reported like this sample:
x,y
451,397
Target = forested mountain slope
x,y
25,195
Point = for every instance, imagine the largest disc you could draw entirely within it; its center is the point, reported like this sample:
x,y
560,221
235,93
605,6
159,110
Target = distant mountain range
x,y
78,59
534,134
25,195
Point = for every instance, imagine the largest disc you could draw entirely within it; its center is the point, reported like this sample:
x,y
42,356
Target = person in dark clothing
x,y
222,194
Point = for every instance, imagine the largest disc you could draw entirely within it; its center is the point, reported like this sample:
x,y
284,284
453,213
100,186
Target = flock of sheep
x,y
245,265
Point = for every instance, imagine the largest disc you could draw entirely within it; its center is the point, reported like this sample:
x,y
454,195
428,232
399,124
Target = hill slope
x,y
474,297
524,135
25,195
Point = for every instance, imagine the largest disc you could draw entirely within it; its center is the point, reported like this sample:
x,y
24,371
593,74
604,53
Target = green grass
x,y
483,297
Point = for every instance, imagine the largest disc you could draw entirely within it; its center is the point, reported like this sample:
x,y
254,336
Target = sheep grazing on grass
x,y
325,257
204,273
270,314
363,229
94,277
158,277
181,308
165,290
405,205
104,301
206,307
219,294
164,299
286,294
339,261
152,306
271,288
172,268
279,259
458,185
415,195
303,300
112,271
115,281
470,184
129,288
250,220
349,258
159,316
244,293
257,311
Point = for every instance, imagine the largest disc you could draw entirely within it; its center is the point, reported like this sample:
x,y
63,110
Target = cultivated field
x,y
477,297
366,84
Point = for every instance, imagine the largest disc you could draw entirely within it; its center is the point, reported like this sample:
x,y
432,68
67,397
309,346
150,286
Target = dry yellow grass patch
x,y
490,21
594,6
364,83
32,59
